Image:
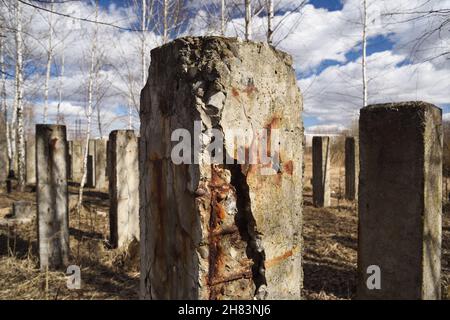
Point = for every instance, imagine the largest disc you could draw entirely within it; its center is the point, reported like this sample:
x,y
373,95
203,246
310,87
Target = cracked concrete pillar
x,y
3,154
351,168
101,180
321,171
52,196
400,201
221,230
30,157
123,187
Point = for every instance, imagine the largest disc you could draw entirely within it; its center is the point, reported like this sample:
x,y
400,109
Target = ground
x,y
330,251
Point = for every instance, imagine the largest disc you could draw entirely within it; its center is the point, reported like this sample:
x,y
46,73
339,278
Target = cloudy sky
x,y
324,38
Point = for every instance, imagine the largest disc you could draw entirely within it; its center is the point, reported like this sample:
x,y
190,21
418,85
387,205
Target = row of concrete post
x,y
52,176
230,231
400,197
321,170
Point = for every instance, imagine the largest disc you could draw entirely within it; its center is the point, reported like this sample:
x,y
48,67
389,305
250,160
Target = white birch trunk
x,y
248,20
222,17
143,47
364,53
88,113
165,23
20,134
49,64
270,15
4,105
60,85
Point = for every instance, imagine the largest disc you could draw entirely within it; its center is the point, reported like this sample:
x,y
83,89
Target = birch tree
x,y
18,103
49,61
59,117
364,53
270,15
248,20
89,110
4,105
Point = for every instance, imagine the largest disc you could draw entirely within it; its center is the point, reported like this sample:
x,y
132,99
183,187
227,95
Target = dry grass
x,y
330,241
330,251
105,273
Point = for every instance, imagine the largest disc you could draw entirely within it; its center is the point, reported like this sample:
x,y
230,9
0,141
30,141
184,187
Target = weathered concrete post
x,y
351,168
77,160
3,154
51,196
221,231
90,174
400,208
321,171
123,187
101,180
30,157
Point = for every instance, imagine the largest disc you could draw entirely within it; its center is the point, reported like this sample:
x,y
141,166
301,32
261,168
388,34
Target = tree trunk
x,y
49,66
165,24
60,86
248,19
20,134
222,18
88,114
364,53
143,44
270,14
4,105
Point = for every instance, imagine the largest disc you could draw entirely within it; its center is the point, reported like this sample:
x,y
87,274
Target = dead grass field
x,y
330,251
105,273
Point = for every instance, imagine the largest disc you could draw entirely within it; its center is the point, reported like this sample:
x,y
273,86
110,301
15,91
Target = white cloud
x,y
311,36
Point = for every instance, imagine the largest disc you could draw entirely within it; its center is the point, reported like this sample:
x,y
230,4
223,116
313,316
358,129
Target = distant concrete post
x,y
321,171
52,196
351,168
3,155
30,156
400,201
101,180
123,187
77,160
90,174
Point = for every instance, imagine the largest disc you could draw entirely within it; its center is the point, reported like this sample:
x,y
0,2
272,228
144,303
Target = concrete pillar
x,y
351,168
90,174
123,188
321,171
30,157
52,196
221,231
400,201
3,155
101,180
77,160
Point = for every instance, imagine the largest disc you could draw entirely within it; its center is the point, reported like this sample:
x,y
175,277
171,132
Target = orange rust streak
x,y
250,89
277,260
288,167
